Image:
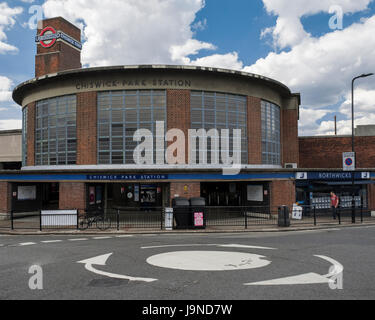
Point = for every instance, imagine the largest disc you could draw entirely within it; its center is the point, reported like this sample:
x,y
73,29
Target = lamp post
x,y
353,150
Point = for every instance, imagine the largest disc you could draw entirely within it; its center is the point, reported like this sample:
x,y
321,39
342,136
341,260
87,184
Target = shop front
x,y
314,188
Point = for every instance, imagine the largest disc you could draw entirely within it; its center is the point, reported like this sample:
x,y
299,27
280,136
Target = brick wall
x,y
72,195
178,113
283,192
60,56
371,197
178,188
326,152
289,143
5,197
31,109
86,128
254,130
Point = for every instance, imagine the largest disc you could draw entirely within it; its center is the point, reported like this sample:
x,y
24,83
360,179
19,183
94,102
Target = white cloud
x,y
10,124
225,61
5,89
191,47
309,120
7,21
289,30
131,31
322,68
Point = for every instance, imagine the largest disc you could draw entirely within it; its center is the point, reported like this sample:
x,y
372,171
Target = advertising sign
x,y
92,196
168,218
297,212
198,219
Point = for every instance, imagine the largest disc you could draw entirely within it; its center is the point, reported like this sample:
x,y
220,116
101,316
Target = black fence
x,y
183,218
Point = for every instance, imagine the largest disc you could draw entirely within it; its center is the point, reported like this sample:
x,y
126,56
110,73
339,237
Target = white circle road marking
x,y
210,244
208,260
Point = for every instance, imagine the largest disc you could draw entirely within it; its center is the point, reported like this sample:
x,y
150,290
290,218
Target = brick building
x,y
79,127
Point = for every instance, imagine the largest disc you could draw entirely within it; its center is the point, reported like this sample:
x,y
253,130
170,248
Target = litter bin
x,y
181,210
198,214
283,217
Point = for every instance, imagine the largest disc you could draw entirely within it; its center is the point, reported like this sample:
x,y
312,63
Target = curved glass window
x,y
271,146
56,131
120,115
212,110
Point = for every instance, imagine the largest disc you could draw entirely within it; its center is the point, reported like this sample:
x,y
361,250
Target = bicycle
x,y
101,222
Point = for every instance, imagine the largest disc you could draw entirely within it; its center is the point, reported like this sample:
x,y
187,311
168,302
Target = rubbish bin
x,y
198,214
181,210
283,217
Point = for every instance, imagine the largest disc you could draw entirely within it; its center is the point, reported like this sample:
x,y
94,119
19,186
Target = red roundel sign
x,y
47,37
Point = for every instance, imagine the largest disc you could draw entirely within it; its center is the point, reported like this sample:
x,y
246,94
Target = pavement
x,y
295,226
333,263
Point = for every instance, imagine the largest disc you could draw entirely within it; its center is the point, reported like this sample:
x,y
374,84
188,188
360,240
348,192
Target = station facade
x,y
79,126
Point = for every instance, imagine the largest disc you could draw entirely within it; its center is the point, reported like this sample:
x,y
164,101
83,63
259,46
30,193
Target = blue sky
x,y
288,40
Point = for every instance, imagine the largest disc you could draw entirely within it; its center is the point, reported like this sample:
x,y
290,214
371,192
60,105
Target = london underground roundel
x,y
47,37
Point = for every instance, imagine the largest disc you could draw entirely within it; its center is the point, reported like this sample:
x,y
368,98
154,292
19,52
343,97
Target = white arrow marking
x,y
101,261
306,278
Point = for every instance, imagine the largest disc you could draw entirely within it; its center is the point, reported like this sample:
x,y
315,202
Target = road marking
x,y
207,245
101,261
51,241
208,260
78,239
306,278
24,244
101,238
124,236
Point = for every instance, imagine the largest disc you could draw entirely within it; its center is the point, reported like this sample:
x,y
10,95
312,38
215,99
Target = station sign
x,y
332,176
126,177
48,37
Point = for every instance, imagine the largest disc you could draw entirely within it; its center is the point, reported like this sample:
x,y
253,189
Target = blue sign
x,y
126,177
329,176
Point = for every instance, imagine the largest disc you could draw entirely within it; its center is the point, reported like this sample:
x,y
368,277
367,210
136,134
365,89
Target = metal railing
x,y
153,218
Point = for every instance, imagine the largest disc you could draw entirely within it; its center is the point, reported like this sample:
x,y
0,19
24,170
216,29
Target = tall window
x,y
24,137
56,131
271,148
211,110
120,114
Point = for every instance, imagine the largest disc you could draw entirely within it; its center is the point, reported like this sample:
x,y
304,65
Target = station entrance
x,y
233,194
126,196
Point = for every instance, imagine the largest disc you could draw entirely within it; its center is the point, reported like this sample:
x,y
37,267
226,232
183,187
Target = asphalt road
x,y
191,266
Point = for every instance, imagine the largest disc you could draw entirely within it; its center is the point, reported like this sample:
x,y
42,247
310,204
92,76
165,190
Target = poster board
x,y
297,212
26,193
255,193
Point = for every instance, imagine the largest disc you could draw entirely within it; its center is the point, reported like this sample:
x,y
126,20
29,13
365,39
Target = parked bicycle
x,y
101,222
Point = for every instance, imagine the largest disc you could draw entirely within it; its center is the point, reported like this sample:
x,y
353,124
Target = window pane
x,y
128,111
210,110
56,131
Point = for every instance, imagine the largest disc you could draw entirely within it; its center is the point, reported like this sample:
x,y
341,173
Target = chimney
x,y
58,46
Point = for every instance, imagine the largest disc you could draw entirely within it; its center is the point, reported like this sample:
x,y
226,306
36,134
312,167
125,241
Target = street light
x,y
353,173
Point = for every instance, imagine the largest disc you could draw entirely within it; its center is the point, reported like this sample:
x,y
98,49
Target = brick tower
x,y
58,46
